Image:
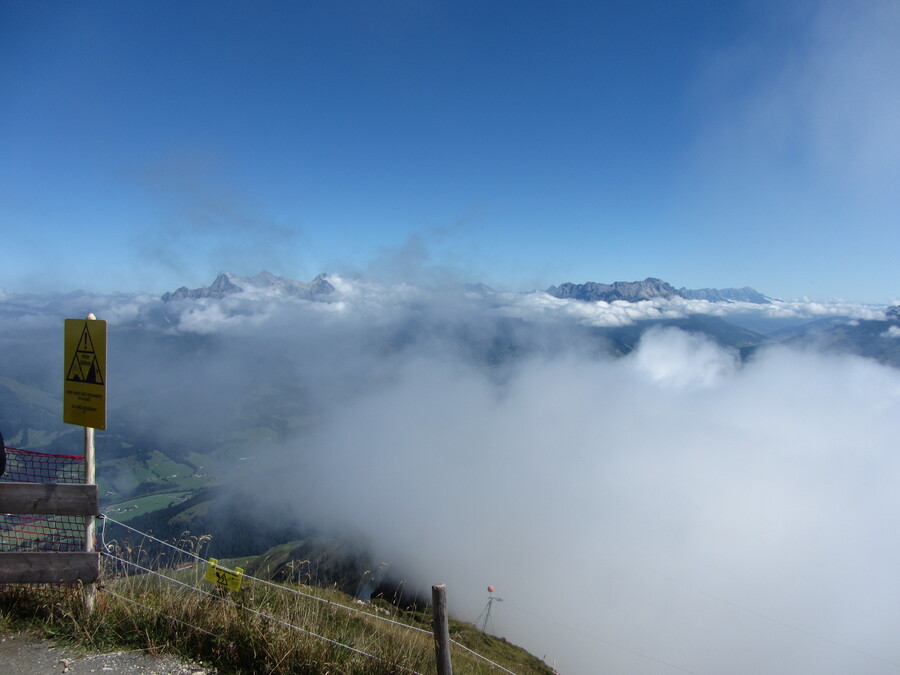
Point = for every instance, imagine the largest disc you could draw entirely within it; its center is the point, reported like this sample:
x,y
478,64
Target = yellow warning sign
x,y
84,363
224,577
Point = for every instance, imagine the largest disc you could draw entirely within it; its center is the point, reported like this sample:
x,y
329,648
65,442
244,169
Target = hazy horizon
x,y
420,272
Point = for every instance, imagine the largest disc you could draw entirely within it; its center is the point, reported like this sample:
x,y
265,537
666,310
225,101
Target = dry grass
x,y
259,629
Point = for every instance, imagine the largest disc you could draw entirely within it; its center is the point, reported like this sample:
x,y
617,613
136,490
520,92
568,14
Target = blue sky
x,y
146,146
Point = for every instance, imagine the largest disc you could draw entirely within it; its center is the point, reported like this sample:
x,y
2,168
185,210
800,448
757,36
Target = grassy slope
x,y
235,637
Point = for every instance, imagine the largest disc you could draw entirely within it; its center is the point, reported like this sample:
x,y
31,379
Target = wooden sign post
x,y
84,401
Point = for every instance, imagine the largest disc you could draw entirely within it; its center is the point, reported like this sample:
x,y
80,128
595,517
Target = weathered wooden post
x,y
84,401
90,590
441,629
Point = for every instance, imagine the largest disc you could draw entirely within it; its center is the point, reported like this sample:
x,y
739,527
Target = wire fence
x,y
135,556
30,466
242,607
181,564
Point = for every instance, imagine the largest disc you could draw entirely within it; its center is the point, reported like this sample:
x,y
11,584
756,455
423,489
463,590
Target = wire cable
x,y
163,614
263,581
281,622
290,590
483,658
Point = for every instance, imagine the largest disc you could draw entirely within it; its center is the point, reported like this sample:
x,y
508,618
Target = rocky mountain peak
x,y
630,291
649,288
219,288
321,286
226,284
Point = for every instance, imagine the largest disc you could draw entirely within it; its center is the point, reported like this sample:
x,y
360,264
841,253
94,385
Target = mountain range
x,y
650,288
740,318
228,284
483,327
320,288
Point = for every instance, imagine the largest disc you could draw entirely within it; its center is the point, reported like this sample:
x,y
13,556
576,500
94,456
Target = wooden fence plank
x,y
49,498
46,567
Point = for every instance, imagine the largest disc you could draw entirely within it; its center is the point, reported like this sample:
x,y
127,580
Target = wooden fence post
x,y
90,590
441,629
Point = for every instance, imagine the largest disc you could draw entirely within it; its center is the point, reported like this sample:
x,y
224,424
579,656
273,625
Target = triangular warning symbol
x,y
75,374
85,367
94,376
85,344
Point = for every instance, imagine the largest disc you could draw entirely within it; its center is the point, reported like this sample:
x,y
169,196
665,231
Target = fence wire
x,y
66,533
177,557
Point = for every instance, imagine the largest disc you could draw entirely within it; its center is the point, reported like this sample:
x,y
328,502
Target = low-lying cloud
x,y
666,512
622,313
679,509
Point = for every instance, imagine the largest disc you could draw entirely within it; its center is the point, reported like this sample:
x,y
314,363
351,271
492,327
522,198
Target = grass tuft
x,y
258,629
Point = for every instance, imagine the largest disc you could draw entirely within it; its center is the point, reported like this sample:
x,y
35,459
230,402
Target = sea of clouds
x,y
678,509
668,511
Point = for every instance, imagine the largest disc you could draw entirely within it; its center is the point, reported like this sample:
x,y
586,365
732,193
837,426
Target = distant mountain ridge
x,y
745,294
226,284
649,288
630,291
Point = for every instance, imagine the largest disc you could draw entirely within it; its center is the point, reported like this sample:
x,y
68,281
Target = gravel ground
x,y
27,654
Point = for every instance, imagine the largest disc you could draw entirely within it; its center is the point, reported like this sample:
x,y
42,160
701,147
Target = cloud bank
x,y
675,510
667,512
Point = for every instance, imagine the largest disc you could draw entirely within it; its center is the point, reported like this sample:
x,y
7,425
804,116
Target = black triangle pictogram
x,y
94,376
84,366
75,374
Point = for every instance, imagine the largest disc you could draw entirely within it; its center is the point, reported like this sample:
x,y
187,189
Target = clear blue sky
x,y
149,145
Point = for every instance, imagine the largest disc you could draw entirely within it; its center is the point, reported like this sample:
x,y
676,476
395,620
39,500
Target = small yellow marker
x,y
224,577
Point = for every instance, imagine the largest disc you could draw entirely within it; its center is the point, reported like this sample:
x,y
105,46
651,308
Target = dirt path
x,y
27,654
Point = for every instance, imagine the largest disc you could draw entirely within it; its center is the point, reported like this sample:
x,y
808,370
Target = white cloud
x,y
670,507
665,507
541,306
671,357
815,99
359,300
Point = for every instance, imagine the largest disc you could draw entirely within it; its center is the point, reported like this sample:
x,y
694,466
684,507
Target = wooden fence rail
x,y
61,499
49,567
